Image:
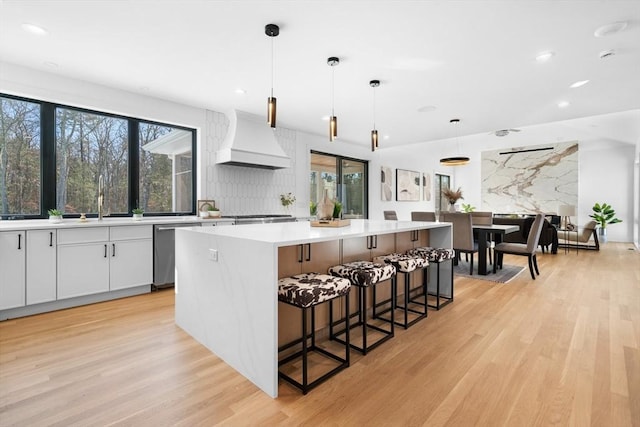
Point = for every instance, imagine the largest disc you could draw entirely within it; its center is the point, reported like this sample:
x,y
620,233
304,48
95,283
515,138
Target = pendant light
x,y
374,133
333,120
455,161
271,30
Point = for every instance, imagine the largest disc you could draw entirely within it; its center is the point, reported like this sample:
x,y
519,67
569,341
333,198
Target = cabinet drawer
x,y
129,232
83,235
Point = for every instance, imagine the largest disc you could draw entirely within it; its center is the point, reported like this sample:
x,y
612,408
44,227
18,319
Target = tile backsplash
x,y
241,190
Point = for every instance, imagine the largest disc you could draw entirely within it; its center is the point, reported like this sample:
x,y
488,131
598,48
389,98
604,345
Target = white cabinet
x,y
131,261
41,266
103,259
83,261
12,269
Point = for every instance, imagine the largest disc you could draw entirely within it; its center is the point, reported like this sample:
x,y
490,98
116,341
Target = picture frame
x,y
426,186
386,184
206,204
408,185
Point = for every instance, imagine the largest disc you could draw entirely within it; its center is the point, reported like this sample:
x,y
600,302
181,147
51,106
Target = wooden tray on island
x,y
331,223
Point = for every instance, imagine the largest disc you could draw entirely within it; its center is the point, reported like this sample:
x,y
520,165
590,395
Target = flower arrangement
x,y
452,196
287,199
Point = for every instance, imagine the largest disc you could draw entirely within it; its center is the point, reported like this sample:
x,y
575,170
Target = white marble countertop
x,y
292,233
39,224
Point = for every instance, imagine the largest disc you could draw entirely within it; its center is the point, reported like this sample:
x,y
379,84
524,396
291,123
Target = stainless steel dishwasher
x,y
164,252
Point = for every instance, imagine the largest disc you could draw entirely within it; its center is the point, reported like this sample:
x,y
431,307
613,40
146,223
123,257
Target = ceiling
x,y
436,60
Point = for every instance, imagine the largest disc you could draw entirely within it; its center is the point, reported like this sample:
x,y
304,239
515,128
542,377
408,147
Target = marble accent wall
x,y
530,181
241,190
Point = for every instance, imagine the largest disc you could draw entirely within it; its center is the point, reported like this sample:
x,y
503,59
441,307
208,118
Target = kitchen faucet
x,y
100,196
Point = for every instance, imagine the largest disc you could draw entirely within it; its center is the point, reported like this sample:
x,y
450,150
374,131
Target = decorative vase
x,y
56,219
452,207
137,217
602,235
325,207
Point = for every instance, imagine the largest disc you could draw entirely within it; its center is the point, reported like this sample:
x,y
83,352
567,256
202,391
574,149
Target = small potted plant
x,y
604,214
213,211
137,214
468,208
55,215
337,209
287,200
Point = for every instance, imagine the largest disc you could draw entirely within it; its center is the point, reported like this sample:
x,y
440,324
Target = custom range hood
x,y
251,142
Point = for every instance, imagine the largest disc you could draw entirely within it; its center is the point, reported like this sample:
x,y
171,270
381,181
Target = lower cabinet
x,y
41,266
104,259
12,269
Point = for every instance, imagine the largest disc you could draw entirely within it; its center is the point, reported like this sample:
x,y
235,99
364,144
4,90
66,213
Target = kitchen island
x,y
227,277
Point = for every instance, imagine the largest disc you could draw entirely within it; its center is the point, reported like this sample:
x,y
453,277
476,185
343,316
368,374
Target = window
x,y
89,146
441,182
20,176
344,179
54,155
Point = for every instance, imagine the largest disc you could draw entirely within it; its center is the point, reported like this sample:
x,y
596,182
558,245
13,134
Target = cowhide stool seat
x,y
306,291
405,264
363,274
436,256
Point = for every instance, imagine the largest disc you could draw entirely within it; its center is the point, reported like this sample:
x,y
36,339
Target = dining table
x,y
484,230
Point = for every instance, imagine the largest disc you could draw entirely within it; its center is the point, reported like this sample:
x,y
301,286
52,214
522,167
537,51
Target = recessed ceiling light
x,y
241,91
610,29
578,84
563,104
544,56
34,29
427,109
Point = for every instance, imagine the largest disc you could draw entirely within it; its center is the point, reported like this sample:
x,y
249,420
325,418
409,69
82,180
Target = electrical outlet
x,y
213,255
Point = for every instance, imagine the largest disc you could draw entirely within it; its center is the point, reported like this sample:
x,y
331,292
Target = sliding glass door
x,y
344,179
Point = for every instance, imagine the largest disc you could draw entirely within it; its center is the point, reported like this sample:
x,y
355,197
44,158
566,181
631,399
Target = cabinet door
x,y
12,268
83,269
405,241
383,244
131,263
41,266
356,249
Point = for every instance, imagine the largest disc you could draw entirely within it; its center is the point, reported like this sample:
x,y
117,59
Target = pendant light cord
x,y
333,89
272,66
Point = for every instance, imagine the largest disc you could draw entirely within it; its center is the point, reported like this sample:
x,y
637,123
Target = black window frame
x,y
48,158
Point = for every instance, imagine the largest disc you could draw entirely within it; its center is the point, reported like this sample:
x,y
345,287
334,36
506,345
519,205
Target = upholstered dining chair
x,y
462,234
483,218
423,216
528,249
390,215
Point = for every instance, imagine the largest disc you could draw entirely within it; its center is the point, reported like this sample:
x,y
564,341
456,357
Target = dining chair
x,y
390,215
522,249
423,216
462,234
484,218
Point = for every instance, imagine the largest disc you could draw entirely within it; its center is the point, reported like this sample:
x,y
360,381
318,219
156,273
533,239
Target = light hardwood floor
x,y
561,350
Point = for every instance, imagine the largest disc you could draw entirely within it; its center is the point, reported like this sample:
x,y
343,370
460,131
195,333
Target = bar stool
x,y
363,274
436,256
306,291
406,264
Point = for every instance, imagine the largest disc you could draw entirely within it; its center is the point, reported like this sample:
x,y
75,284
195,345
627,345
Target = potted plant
x,y
137,214
604,214
313,208
287,200
213,211
467,208
452,196
55,215
337,209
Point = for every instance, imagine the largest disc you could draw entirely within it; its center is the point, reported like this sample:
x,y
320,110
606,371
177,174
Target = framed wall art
x,y
386,184
426,186
407,185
